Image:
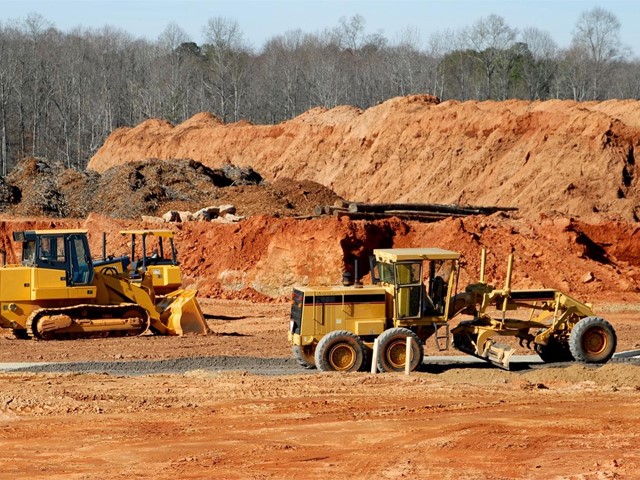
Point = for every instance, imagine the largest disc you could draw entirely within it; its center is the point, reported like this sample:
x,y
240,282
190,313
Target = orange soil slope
x,y
264,257
564,157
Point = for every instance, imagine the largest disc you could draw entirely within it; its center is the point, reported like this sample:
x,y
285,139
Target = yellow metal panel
x,y
15,284
341,290
370,327
164,275
86,291
48,284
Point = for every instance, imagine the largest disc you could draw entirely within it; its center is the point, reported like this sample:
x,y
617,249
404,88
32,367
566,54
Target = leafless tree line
x,y
62,94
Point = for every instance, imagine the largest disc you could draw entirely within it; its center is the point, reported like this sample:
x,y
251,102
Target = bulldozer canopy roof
x,y
403,254
21,235
156,233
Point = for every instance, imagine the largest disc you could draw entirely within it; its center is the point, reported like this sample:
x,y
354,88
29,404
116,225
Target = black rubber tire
x,y
593,340
305,356
392,348
340,351
554,351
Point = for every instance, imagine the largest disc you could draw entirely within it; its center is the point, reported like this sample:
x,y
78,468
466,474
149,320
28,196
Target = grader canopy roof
x,y
402,254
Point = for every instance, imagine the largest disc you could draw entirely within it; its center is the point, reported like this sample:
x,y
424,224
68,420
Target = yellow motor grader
x,y
58,292
414,295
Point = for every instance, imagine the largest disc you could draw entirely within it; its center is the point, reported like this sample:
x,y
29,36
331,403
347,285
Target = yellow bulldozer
x,y
59,292
334,328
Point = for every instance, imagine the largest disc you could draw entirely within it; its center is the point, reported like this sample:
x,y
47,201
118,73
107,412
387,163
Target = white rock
x,y
224,209
171,216
186,216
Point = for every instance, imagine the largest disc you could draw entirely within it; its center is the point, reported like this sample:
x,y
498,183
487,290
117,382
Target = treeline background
x,y
63,93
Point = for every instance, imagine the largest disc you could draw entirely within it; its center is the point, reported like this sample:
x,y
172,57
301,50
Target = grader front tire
x,y
592,340
340,351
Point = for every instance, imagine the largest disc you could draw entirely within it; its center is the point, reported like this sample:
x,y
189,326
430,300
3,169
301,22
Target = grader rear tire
x,y
304,355
392,348
592,340
340,351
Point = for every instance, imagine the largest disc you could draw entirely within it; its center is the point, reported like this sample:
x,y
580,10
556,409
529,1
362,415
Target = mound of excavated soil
x,y
550,157
129,190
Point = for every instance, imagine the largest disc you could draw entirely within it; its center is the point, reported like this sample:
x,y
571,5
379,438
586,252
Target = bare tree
x,y
8,75
492,38
539,71
350,32
226,51
597,32
173,70
406,62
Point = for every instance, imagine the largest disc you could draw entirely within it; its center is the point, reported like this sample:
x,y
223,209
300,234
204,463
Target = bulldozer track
x,y
89,313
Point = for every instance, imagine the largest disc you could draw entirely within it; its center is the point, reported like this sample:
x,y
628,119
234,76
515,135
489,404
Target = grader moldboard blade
x,y
467,337
181,313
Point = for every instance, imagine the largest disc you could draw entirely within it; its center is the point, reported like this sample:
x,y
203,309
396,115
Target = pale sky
x,y
261,19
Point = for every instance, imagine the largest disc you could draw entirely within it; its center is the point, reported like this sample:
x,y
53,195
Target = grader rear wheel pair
x,y
343,351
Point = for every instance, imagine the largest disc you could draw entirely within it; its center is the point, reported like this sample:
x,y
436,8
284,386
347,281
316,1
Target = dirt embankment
x,y
576,159
263,257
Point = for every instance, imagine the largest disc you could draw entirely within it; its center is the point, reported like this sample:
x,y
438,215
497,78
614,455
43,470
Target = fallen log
x,y
356,207
414,216
327,210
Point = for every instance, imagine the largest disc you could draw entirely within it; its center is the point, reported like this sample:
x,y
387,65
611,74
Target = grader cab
x,y
414,295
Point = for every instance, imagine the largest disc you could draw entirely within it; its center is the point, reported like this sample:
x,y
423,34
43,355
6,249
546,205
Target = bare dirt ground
x,y
450,422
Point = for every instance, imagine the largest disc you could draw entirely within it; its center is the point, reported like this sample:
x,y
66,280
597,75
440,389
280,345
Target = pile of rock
x,y
218,214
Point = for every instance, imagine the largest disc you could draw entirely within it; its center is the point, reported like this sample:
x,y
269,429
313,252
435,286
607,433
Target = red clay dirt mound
x,y
554,157
36,188
263,257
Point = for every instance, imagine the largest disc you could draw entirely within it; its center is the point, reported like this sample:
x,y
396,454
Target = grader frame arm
x,y
553,314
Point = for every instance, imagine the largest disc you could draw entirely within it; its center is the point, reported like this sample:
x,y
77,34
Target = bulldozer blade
x,y
499,354
181,313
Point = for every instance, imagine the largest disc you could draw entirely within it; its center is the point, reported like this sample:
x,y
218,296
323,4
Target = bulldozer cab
x,y
66,250
422,280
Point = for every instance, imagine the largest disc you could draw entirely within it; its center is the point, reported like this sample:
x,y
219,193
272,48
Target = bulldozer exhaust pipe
x,y
483,263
